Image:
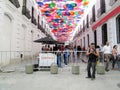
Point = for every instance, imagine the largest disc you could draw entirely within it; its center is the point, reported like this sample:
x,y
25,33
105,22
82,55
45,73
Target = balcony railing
x,y
13,57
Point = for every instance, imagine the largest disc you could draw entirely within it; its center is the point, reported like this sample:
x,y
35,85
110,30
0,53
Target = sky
x,y
64,16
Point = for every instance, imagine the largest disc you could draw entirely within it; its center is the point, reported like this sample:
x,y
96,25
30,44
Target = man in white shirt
x,y
107,54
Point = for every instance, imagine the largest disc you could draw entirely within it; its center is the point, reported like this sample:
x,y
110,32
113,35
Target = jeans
x,y
93,66
66,60
118,63
59,61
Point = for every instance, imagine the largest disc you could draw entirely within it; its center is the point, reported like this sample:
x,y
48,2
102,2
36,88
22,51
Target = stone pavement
x,y
64,80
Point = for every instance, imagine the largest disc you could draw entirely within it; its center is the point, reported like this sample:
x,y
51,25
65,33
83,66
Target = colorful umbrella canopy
x,y
63,15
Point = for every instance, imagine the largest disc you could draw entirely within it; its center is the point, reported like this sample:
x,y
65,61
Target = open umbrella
x,y
47,40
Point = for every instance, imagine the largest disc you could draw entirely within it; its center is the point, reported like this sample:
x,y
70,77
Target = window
x,y
32,15
81,41
33,20
25,11
83,26
93,13
42,23
104,34
84,43
102,6
118,28
15,3
24,2
95,38
88,39
87,21
38,22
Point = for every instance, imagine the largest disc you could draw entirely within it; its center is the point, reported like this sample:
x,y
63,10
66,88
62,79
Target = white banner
x,y
46,59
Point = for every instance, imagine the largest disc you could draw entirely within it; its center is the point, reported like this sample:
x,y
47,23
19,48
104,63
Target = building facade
x,y
100,25
20,25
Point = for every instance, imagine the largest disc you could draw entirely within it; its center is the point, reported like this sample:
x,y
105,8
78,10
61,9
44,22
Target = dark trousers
x,y
91,65
113,63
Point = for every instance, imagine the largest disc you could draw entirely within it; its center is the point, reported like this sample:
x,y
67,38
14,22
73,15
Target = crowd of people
x,y
69,54
65,53
109,54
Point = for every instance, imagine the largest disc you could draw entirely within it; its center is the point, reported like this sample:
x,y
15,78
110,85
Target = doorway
x,y
104,34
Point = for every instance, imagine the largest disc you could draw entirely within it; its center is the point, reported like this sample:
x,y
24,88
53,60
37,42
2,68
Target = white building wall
x,y
111,25
15,34
99,35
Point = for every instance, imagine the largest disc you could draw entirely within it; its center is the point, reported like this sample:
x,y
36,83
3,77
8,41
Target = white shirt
x,y
107,49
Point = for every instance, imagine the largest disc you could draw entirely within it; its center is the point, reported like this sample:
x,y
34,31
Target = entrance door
x,y
5,40
104,34
95,38
5,34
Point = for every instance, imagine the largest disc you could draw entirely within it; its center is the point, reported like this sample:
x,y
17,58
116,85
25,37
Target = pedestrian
x,y
107,51
78,52
114,56
59,61
66,55
92,54
118,61
74,55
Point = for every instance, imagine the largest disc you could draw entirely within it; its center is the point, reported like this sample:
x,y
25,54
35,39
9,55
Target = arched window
x,y
5,34
118,28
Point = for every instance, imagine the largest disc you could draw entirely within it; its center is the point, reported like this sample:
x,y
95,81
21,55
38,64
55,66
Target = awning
x,y
47,40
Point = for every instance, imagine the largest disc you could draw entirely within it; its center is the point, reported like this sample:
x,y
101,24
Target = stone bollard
x,y
100,68
75,69
54,68
29,69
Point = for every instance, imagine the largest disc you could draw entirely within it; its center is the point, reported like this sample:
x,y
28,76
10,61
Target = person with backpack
x,y
92,54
